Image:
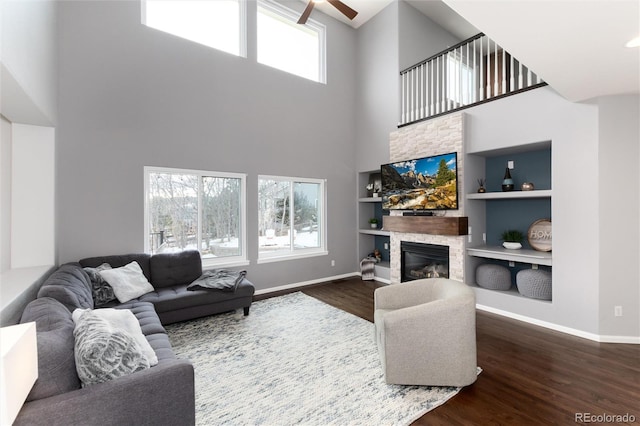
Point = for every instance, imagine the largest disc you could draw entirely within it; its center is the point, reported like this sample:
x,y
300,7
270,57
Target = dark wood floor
x,y
531,375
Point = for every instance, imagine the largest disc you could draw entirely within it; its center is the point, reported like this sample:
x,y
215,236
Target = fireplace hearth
x,y
419,260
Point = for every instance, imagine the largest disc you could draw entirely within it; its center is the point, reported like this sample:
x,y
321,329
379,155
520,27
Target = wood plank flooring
x,y
531,375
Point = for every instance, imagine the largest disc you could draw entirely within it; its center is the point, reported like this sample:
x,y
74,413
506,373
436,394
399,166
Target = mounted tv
x,y
428,183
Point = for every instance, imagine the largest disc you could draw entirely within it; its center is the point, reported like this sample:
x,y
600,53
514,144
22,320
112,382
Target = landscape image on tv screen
x,y
428,183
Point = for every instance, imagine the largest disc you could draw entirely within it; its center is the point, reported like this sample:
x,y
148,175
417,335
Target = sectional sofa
x,y
162,393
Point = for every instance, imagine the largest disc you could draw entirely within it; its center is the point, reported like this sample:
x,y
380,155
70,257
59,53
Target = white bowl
x,y
512,246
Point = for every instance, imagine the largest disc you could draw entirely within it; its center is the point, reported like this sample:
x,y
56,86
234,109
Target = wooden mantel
x,y
434,225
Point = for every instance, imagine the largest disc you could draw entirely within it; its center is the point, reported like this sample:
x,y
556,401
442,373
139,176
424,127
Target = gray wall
x,y
28,76
396,38
619,214
420,37
377,88
594,208
131,96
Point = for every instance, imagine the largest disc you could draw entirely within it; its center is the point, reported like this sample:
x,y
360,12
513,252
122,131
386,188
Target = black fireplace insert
x,y
419,260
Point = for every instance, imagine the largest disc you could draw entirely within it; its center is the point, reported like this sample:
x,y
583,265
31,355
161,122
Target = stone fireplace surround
x,y
432,137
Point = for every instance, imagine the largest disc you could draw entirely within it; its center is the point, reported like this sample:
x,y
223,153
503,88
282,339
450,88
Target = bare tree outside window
x,y
289,216
195,211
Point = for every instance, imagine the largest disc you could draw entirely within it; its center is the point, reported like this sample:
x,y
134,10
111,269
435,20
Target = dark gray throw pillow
x,y
218,279
100,289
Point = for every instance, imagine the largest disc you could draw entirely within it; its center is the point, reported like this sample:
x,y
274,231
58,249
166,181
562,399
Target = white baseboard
x,y
305,283
561,328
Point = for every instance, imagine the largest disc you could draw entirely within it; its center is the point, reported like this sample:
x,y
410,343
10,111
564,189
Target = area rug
x,y
294,361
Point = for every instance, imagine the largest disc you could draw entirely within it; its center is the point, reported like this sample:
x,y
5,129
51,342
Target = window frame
x,y
301,253
293,16
238,260
242,28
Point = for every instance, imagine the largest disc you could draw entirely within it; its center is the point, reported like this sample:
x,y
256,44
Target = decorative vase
x,y
511,245
482,190
528,186
507,182
374,225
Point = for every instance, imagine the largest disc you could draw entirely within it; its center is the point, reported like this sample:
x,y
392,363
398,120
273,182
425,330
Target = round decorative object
x,y
527,186
493,277
482,190
511,245
539,235
534,283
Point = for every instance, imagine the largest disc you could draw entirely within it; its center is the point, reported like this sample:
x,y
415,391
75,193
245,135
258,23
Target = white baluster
x,y
482,68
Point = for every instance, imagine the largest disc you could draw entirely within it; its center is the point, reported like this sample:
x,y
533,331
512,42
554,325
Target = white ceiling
x,y
577,46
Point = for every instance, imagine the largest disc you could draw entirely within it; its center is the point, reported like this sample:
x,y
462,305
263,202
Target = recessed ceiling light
x,y
634,42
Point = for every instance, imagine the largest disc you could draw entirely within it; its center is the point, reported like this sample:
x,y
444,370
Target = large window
x,y
291,217
288,46
188,209
214,23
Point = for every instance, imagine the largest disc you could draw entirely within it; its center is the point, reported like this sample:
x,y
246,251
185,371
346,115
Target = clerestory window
x,y
288,46
215,23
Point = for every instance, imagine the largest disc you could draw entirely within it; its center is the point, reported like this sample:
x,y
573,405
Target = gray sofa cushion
x,y
56,364
178,297
118,261
151,328
169,269
69,285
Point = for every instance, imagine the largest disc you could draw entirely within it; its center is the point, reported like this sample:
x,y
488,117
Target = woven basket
x,y
535,283
493,277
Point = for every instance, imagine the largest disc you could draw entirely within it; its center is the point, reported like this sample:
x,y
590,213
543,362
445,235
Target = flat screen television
x,y
428,183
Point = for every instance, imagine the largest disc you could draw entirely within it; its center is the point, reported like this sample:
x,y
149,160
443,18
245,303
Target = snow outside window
x,y
291,218
196,210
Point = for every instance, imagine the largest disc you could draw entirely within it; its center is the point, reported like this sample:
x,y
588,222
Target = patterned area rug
x,y
294,360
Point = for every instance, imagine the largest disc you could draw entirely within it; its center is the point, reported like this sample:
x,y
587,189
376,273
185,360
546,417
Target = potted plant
x,y
373,222
512,239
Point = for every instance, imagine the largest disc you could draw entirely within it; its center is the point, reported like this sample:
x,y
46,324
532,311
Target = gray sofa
x,y
160,395
170,274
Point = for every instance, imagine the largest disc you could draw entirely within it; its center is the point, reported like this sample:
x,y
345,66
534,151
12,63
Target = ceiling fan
x,y
346,10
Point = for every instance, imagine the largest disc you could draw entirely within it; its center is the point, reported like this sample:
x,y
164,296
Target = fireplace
x,y
419,260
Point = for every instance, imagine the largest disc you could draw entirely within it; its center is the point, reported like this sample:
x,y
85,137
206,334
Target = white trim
x,y
300,254
304,283
561,328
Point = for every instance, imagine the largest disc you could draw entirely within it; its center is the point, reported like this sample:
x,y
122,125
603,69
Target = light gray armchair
x,y
426,332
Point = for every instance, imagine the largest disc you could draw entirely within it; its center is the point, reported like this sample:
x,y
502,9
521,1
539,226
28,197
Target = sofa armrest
x,y
163,394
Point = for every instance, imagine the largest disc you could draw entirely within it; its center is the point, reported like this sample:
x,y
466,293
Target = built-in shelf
x,y
533,257
512,292
509,195
372,231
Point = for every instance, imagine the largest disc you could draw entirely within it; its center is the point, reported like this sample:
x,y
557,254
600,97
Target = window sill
x,y
206,265
291,256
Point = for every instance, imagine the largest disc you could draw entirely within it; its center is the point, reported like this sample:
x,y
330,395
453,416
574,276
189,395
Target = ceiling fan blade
x,y
346,10
306,13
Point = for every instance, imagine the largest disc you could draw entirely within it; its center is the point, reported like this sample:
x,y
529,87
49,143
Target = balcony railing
x,y
474,71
